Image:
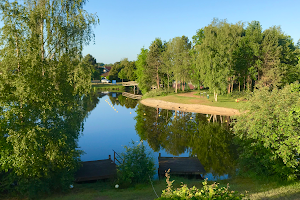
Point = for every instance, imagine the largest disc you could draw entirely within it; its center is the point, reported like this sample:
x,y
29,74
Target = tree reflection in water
x,y
121,100
201,135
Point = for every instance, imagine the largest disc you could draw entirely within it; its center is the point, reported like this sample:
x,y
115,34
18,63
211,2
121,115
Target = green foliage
x,y
227,54
113,73
137,166
206,192
123,70
42,85
215,58
91,62
177,60
156,92
198,38
154,61
143,78
269,132
122,75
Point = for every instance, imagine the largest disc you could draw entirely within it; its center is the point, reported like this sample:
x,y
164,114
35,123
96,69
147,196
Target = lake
x,y
114,121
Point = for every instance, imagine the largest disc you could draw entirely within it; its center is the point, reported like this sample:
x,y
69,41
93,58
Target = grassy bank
x,y
105,190
108,86
227,101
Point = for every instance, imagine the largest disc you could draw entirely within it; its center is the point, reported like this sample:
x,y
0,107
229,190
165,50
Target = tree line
x,y
222,56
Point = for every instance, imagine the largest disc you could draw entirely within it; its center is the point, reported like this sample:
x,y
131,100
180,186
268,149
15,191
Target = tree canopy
x,y
43,81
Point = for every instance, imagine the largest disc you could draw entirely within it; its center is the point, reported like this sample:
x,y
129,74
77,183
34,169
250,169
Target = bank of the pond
x,y
106,190
108,86
197,108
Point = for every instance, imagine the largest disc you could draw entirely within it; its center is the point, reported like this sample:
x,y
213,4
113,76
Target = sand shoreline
x,y
197,108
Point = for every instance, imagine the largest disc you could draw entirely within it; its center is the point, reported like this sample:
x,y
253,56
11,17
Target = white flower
x,y
116,186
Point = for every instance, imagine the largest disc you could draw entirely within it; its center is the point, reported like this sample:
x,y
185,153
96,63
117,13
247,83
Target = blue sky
x,y
126,26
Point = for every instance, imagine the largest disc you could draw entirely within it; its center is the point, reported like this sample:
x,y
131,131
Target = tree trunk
x,y
215,96
18,54
176,85
228,88
168,83
248,83
42,41
157,78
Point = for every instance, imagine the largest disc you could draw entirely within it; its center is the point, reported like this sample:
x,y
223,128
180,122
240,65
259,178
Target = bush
x,y
269,133
137,166
156,92
206,192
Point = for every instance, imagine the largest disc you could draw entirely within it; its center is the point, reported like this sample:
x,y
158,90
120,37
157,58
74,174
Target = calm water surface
x,y
115,121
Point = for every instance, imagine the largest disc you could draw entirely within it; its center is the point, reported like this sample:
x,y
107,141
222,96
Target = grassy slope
x,y
106,190
223,100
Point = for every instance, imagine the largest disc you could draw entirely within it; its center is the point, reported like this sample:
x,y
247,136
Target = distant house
x,y
105,74
106,69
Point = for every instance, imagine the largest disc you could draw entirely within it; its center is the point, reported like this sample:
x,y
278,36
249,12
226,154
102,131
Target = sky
x,y
128,25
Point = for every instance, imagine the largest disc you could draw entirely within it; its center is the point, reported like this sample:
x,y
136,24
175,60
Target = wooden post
x,y
109,157
159,155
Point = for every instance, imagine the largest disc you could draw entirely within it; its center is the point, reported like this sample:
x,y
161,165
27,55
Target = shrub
x,y
137,166
269,133
156,92
206,192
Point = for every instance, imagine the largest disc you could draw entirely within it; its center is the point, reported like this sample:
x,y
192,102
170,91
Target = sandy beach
x,y
190,107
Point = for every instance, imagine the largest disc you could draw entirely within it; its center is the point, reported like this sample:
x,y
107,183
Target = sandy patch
x,y
197,108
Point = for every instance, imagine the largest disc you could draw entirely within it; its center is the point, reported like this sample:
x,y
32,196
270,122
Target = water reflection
x,y
108,126
179,132
119,99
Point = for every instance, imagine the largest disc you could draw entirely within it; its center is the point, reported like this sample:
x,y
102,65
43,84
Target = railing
x,y
117,158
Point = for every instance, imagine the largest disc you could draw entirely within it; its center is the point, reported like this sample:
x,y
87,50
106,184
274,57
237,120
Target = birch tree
x,y
42,84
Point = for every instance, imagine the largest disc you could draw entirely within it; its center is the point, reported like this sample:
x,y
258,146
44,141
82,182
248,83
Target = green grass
x,y
104,190
108,86
227,101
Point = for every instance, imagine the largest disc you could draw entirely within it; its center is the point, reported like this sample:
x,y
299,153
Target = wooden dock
x,y
132,96
180,166
95,170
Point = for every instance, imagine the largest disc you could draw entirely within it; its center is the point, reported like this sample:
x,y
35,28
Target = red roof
x,y
107,67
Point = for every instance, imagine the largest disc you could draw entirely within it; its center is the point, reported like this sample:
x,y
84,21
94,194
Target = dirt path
x,y
197,108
